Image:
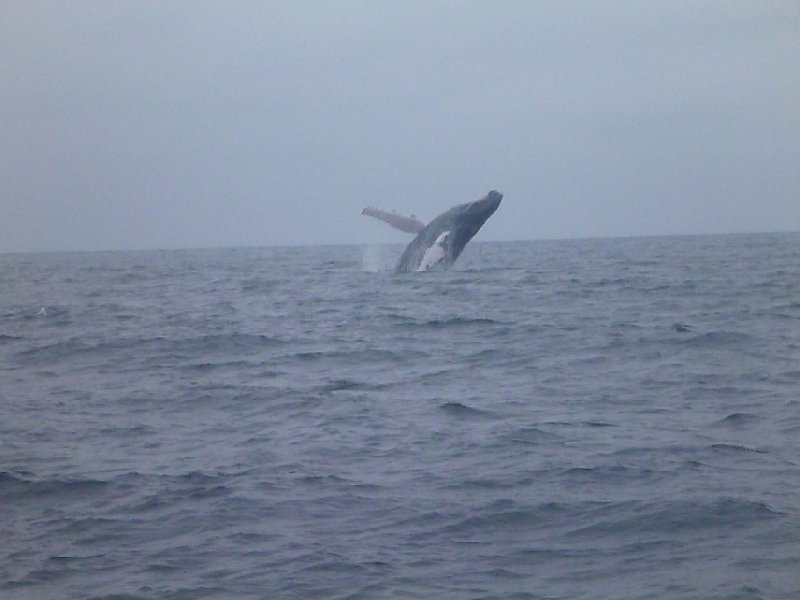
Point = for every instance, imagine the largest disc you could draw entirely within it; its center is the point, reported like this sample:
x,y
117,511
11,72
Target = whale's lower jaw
x,y
462,222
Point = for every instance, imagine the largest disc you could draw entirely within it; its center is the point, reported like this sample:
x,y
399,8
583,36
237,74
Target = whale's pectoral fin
x,y
434,255
408,224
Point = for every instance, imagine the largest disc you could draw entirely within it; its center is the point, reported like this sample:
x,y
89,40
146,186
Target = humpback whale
x,y
441,242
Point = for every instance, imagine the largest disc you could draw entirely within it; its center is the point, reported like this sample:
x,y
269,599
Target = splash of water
x,y
373,258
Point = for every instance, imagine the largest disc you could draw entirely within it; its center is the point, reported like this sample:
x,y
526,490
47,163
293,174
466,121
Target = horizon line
x,y
365,243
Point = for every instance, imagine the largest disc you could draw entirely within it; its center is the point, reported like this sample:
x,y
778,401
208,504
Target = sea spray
x,y
374,258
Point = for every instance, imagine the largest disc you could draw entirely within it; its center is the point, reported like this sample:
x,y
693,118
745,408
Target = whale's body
x,y
462,222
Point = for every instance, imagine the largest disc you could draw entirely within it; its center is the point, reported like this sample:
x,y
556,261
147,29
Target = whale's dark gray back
x,y
462,221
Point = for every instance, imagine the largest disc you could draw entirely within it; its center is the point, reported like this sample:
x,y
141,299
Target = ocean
x,y
590,419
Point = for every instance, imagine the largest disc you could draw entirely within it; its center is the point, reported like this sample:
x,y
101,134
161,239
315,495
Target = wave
x,y
451,323
508,515
735,448
148,347
716,339
18,485
49,353
738,420
457,409
671,518
611,475
260,286
341,385
356,356
205,367
531,435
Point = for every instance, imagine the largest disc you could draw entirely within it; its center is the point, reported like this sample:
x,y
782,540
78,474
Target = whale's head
x,y
484,207
470,217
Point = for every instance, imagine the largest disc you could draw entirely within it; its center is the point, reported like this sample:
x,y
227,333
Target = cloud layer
x,y
137,125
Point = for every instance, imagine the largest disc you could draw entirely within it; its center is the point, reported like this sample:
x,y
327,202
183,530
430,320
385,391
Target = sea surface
x,y
588,419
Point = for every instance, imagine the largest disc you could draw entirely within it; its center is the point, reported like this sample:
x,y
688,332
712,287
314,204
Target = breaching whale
x,y
445,237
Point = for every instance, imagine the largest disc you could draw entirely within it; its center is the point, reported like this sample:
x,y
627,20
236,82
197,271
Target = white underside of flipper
x,y
435,254
408,224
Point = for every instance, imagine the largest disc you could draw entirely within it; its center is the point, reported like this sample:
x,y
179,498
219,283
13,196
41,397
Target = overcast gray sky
x,y
192,124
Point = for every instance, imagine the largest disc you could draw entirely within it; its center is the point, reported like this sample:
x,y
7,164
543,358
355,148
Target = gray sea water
x,y
559,419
